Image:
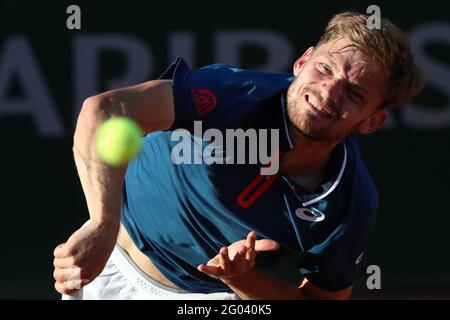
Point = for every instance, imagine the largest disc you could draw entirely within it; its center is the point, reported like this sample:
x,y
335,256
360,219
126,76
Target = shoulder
x,y
218,94
225,75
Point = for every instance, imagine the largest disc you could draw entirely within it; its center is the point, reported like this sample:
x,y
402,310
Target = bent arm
x,y
151,105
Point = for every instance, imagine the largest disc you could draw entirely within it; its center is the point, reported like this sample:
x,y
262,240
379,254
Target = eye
x,y
355,95
324,68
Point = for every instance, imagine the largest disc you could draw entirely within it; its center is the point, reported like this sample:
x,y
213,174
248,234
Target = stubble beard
x,y
302,121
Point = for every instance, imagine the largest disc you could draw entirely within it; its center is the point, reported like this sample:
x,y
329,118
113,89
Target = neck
x,y
306,162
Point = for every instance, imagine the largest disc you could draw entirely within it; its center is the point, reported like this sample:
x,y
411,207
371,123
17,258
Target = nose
x,y
332,90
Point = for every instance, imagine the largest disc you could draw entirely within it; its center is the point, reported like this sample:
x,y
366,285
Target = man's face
x,y
336,91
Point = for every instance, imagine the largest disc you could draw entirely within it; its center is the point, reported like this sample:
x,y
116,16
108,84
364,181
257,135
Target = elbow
x,y
93,112
97,105
98,108
93,102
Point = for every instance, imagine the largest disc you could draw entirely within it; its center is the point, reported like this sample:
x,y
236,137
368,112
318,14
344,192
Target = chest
x,y
241,200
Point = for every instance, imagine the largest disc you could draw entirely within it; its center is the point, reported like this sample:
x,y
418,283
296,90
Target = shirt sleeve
x,y
198,94
337,264
217,94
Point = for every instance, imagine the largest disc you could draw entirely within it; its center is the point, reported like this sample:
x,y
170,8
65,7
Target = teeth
x,y
317,106
314,104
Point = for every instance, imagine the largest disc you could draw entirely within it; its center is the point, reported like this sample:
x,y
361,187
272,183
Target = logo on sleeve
x,y
204,101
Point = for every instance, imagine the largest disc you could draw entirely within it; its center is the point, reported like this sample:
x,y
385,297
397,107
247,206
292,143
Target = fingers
x,y
254,246
63,262
225,265
250,243
61,275
67,274
59,251
68,280
224,259
266,245
214,271
238,258
67,287
241,251
61,288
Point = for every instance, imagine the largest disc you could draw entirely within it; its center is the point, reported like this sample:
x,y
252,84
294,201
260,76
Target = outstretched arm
x,y
151,105
234,266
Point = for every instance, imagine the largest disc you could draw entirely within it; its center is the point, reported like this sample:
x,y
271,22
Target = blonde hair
x,y
388,46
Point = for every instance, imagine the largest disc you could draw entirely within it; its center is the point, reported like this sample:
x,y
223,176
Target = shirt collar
x,y
336,167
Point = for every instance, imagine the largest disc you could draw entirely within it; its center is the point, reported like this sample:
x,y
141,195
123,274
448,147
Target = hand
x,y
82,258
237,258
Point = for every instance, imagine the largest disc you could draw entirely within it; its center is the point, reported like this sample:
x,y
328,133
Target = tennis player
x,y
162,228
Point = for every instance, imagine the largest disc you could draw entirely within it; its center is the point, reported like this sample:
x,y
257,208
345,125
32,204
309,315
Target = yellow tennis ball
x,y
118,140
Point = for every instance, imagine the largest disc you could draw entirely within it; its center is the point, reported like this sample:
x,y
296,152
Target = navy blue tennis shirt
x,y
181,214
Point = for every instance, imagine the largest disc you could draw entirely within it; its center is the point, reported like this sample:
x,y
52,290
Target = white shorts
x,y
121,279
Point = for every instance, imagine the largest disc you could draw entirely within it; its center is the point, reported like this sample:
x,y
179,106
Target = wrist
x,y
106,224
105,212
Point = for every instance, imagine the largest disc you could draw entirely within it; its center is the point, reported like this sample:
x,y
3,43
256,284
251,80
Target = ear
x,y
301,61
372,123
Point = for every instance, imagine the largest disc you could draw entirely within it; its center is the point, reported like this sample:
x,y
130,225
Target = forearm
x,y
102,184
256,285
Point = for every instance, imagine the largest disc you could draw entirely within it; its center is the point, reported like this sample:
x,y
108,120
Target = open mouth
x,y
318,107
